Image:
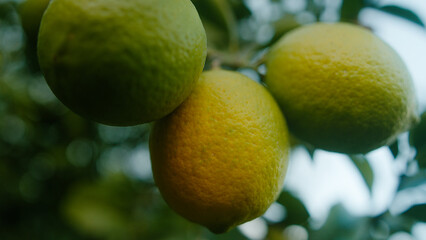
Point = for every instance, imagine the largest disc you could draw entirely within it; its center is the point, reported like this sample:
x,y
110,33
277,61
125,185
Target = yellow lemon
x,y
340,87
121,62
220,159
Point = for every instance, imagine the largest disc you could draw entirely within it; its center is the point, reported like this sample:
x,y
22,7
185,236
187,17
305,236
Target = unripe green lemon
x,y
220,159
31,12
340,87
122,62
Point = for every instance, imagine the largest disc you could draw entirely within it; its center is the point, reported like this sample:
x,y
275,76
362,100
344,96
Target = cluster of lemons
x,y
220,143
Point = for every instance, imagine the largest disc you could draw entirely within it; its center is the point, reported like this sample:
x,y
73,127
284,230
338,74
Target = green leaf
x,y
240,9
403,13
418,140
417,212
350,10
412,181
219,16
311,150
394,148
282,26
421,157
396,223
364,169
340,224
296,211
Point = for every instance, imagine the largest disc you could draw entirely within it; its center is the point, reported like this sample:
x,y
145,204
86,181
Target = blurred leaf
x,y
403,13
418,140
396,223
294,142
315,7
418,133
100,209
219,19
412,181
379,229
394,148
350,10
342,225
282,26
240,9
364,169
210,11
421,157
417,212
310,148
117,208
296,210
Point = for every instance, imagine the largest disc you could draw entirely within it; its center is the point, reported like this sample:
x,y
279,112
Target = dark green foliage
x,y
364,169
341,225
412,181
418,140
350,10
417,212
296,211
394,148
403,13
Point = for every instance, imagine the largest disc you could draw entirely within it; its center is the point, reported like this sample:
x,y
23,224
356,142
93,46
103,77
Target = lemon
x,y
340,87
121,62
31,12
220,159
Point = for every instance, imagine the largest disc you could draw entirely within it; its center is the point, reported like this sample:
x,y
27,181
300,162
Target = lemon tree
x,y
221,157
341,88
121,62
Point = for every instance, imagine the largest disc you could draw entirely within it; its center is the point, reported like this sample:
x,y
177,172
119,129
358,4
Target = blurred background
x,y
63,177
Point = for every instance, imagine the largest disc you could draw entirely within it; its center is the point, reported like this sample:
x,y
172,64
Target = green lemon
x,y
340,87
31,12
122,62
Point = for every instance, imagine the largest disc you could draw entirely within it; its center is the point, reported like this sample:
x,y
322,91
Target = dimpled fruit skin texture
x,y
220,159
122,62
340,87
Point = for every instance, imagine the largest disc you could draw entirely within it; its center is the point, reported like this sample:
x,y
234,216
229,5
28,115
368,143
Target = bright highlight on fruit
x,y
220,159
341,88
122,62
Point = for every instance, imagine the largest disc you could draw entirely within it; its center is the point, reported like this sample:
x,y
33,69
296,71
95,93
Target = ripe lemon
x,y
220,159
340,87
121,62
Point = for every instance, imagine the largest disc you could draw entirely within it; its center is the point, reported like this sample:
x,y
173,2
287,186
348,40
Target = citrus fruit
x,y
121,62
340,87
220,159
31,12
